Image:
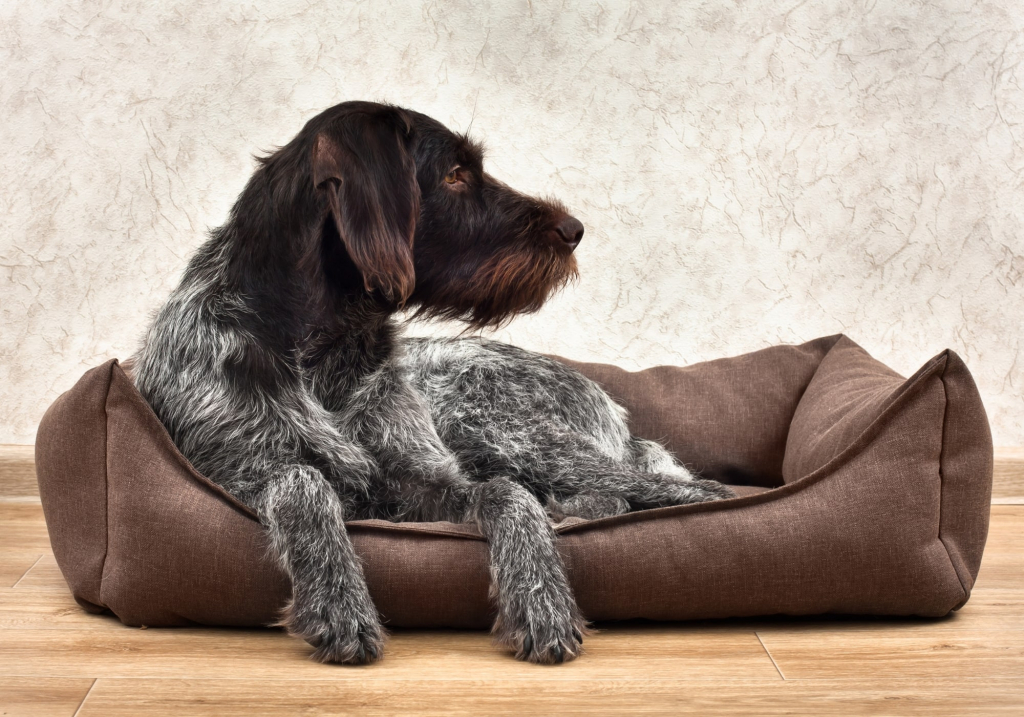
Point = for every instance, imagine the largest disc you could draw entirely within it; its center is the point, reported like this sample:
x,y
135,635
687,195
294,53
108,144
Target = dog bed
x,y
872,497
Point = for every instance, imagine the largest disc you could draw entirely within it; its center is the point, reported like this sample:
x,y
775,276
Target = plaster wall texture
x,y
749,173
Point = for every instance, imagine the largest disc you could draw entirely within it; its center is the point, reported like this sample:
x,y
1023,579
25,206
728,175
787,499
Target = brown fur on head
x,y
424,225
511,283
362,166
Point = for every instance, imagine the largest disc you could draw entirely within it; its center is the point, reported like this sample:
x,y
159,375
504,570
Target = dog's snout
x,y
570,231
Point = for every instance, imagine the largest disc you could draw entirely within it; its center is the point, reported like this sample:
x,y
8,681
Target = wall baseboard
x,y
18,471
1008,476
18,474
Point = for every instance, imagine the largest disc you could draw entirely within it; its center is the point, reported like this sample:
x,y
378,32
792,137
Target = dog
x,y
278,369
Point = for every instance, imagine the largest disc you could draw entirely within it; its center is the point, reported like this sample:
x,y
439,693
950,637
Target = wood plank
x,y
44,576
49,610
993,609
673,654
18,470
988,609
866,654
41,696
1002,565
1006,528
1008,475
15,563
244,698
22,528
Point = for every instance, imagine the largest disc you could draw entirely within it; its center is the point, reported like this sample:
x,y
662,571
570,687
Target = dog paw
x,y
339,633
358,645
696,490
544,633
546,643
588,505
712,489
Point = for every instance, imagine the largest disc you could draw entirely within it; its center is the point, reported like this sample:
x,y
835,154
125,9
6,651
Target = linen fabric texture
x,y
872,497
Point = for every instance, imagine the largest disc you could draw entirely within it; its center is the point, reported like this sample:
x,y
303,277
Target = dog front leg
x,y
537,615
331,607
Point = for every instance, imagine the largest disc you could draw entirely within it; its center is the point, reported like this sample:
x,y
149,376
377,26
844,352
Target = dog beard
x,y
505,286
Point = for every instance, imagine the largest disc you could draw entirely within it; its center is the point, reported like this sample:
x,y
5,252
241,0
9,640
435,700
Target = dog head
x,y
425,225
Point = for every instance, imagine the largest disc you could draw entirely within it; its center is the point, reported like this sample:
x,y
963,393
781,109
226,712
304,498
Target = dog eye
x,y
453,176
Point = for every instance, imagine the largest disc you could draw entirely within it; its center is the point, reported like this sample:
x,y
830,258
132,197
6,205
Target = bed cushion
x,y
866,493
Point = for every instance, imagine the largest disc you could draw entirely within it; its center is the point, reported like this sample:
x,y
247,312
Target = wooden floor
x,y
57,660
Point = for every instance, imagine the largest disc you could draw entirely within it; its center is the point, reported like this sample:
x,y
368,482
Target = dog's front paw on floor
x,y
357,645
547,644
345,639
536,636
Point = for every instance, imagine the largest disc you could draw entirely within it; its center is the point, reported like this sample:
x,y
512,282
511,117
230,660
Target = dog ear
x,y
362,165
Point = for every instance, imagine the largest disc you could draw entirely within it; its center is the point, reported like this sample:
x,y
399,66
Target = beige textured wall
x,y
749,172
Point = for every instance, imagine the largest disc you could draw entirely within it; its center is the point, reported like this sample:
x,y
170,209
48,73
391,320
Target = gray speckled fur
x,y
505,411
290,387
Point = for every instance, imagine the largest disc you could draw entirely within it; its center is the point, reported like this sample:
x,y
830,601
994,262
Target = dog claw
x,y
558,654
527,646
579,637
333,646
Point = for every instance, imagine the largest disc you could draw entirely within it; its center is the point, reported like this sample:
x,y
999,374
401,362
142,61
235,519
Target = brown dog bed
x,y
873,498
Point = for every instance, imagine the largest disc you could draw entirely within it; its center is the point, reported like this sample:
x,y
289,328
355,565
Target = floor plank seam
x,y
27,572
768,652
82,703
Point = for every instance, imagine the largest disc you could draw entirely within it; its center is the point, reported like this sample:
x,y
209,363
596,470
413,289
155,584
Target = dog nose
x,y
570,231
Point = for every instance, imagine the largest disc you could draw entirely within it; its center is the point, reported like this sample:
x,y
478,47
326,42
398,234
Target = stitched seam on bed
x,y
106,480
413,529
942,485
